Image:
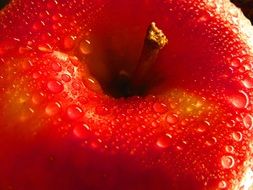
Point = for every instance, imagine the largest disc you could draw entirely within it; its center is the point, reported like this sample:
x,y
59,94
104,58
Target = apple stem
x,y
154,41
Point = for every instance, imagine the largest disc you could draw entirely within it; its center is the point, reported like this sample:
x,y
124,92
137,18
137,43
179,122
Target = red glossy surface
x,y
58,131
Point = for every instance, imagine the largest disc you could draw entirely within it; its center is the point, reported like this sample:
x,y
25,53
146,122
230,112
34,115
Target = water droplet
x,y
74,60
237,136
202,127
51,5
81,130
211,141
102,110
68,42
53,108
36,75
222,185
229,149
55,86
92,84
248,82
231,123
56,67
24,115
227,162
159,107
74,112
7,46
70,69
248,121
37,98
85,47
141,128
83,99
96,143
240,100
36,26
65,77
235,62
172,119
76,85
55,17
164,141
203,19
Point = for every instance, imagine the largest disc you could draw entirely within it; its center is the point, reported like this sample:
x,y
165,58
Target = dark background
x,y
3,3
245,5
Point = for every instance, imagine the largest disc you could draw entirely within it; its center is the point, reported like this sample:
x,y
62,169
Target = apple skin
x,y
58,130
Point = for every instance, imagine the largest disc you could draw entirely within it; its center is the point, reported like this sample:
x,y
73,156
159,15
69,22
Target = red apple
x,y
72,116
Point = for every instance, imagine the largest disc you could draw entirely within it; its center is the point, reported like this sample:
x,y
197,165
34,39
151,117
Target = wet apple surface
x,y
65,122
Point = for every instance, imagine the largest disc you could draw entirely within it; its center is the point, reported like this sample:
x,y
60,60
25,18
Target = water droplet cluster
x,y
202,121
